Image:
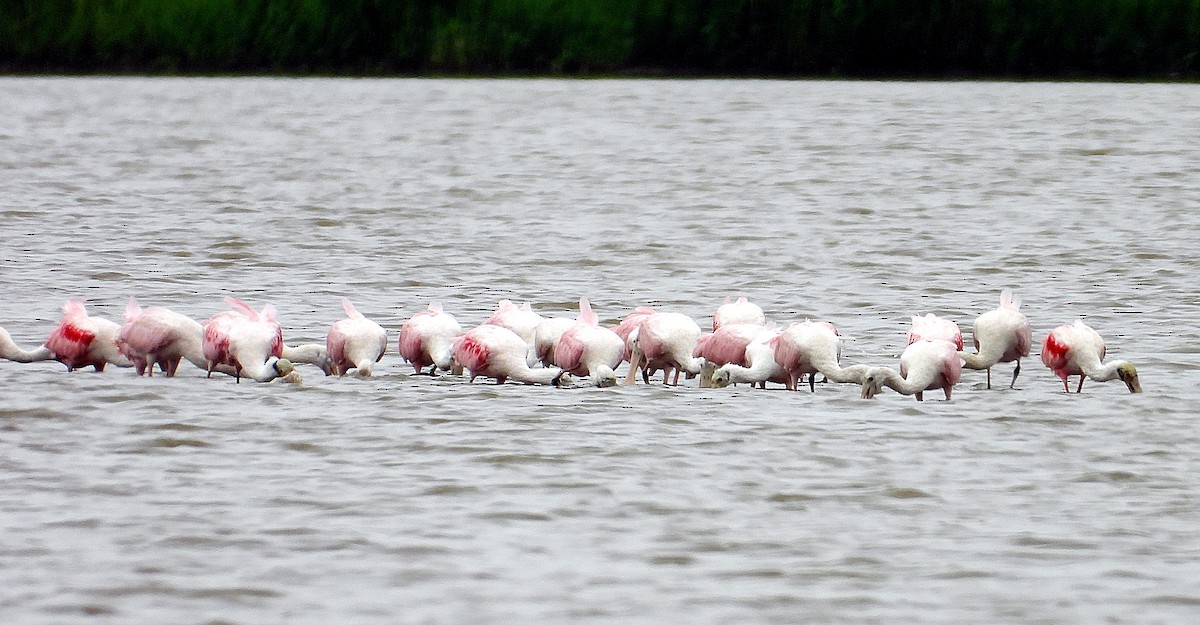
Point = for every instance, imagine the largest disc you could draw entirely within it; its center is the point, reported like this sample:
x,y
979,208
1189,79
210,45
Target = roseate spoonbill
x,y
665,341
545,339
158,336
81,341
521,320
741,311
1000,335
631,322
811,347
249,341
934,327
10,351
587,349
496,352
1079,350
925,365
355,342
757,364
425,339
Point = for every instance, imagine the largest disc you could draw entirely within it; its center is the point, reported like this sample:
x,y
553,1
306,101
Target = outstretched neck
x,y
762,369
547,375
10,351
832,369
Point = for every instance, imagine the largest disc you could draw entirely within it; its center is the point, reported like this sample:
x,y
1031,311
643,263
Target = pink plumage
x,y
932,327
727,345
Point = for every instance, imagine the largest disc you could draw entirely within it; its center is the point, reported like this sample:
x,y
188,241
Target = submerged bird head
x,y
1128,374
720,378
604,377
563,380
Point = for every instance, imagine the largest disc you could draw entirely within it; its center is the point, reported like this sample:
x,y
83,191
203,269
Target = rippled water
x,y
406,499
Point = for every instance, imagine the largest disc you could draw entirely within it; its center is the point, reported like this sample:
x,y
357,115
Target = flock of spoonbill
x,y
519,344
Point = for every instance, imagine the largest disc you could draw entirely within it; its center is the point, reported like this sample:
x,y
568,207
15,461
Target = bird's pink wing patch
x,y
412,346
1056,352
569,353
471,353
727,347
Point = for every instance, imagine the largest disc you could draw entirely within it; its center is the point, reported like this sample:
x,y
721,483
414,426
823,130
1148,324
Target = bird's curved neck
x,y
830,368
536,376
1101,372
988,355
10,351
761,369
916,381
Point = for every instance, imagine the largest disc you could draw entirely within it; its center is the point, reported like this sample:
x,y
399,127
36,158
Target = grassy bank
x,y
1034,38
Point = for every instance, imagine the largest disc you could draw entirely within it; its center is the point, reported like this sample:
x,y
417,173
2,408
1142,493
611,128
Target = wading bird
x,y
925,365
665,341
1000,335
587,349
425,339
355,342
1079,350
494,351
249,341
83,341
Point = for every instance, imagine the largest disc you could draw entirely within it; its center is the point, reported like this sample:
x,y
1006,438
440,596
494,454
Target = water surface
x,y
416,500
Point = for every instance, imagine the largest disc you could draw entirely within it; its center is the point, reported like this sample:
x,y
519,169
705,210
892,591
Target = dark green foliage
x,y
1052,38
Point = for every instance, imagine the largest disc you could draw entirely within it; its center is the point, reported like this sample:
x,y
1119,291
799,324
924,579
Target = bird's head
x,y
603,376
1128,374
720,378
283,366
872,383
563,380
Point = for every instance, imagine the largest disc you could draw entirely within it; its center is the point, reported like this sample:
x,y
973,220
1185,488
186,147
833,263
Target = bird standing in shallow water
x,y
1000,335
249,341
355,342
812,347
158,336
496,352
425,339
1077,349
925,365
587,349
665,341
81,340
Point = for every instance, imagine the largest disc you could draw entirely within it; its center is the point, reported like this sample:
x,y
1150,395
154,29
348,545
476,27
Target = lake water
x,y
404,499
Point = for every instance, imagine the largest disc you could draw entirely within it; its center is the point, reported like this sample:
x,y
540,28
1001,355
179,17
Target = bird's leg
x,y
1016,372
920,396
100,367
674,382
989,378
1081,379
812,382
1065,387
948,389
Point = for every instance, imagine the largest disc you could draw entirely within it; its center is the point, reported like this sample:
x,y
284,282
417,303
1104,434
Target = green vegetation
x,y
1034,38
